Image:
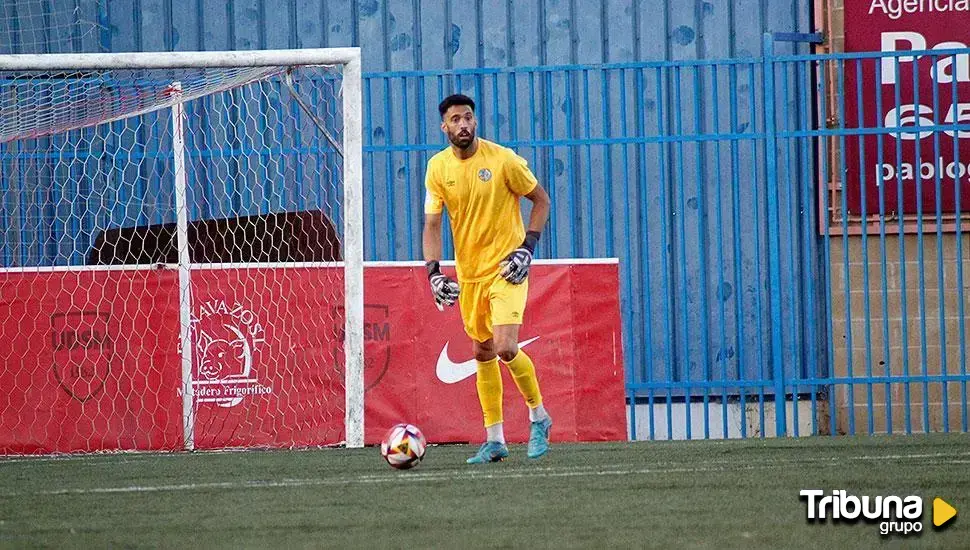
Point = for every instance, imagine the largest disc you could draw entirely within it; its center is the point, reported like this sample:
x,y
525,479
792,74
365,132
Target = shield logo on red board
x,y
83,351
377,341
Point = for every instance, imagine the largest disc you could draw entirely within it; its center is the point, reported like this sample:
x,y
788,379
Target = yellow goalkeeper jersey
x,y
481,194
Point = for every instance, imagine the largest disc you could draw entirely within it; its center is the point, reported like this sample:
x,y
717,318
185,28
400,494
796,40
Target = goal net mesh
x,y
91,304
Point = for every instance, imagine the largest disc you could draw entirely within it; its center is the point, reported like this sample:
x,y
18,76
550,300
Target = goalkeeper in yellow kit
x,y
480,183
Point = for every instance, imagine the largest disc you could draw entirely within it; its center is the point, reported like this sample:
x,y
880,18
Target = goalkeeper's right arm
x,y
444,289
431,238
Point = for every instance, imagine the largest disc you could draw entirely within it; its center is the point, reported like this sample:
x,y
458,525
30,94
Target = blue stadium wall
x,y
423,49
411,34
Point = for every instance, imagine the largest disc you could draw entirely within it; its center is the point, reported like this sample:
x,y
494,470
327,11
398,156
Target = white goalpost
x,y
181,262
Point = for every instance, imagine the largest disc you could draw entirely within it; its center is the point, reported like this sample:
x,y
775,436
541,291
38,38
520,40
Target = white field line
x,y
495,473
134,457
127,457
452,475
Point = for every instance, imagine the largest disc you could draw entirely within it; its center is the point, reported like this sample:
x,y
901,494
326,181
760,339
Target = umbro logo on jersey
x,y
450,183
484,174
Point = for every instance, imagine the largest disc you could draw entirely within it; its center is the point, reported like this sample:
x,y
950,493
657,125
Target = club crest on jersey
x,y
484,174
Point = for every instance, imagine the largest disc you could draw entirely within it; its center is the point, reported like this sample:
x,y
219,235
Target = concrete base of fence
x,y
750,415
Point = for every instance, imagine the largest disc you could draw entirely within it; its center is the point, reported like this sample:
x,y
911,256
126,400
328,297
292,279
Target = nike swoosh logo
x,y
450,372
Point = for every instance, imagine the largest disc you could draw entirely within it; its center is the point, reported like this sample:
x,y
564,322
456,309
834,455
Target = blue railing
x,y
704,178
661,164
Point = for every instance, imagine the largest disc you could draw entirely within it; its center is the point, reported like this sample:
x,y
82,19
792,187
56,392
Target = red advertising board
x,y
903,91
89,361
268,365
93,360
571,331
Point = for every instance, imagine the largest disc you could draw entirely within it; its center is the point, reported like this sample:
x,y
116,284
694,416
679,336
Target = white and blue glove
x,y
444,289
515,266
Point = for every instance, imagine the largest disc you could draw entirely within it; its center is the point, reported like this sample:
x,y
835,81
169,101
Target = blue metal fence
x,y
746,310
713,181
661,164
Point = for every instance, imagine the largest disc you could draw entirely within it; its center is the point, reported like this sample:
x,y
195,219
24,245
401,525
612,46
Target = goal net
x,y
181,251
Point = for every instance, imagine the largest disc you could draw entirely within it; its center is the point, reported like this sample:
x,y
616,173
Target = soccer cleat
x,y
539,440
490,451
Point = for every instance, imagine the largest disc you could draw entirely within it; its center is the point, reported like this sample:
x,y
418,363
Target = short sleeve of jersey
x,y
433,202
518,177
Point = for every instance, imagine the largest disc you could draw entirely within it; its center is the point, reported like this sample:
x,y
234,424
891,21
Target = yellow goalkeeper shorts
x,y
495,301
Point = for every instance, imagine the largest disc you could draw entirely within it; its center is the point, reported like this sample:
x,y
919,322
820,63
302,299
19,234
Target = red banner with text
x,y
93,360
913,170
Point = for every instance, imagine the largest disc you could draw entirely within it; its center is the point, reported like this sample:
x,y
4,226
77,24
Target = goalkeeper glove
x,y
444,289
515,267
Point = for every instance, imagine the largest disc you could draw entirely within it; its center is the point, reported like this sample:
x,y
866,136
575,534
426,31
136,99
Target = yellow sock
x,y
524,374
489,384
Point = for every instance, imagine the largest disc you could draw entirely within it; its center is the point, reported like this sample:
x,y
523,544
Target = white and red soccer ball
x,y
403,447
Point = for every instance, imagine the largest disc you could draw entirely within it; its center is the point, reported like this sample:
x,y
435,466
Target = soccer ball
x,y
403,446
